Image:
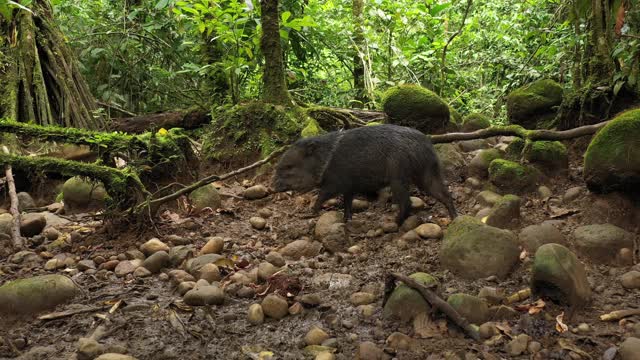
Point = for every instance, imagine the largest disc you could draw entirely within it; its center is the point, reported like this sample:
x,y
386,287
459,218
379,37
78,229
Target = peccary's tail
x,y
434,185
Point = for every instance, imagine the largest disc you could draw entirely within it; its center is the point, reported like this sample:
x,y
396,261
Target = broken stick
x,y
18,244
437,302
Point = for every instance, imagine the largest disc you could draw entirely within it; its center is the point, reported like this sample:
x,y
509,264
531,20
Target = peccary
x,y
363,161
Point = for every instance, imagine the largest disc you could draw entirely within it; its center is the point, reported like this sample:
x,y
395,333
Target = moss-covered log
x,y
149,149
124,186
40,81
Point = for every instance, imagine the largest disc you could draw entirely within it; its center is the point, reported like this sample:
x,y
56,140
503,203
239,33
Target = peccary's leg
x,y
434,186
323,196
400,192
348,203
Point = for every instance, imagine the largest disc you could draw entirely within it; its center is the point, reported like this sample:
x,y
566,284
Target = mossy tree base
x,y
41,82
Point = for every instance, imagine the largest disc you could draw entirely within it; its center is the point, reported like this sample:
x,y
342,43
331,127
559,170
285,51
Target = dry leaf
x,y
523,255
425,328
561,327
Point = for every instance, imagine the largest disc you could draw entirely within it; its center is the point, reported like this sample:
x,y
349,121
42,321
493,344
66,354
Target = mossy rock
x,y
454,116
245,131
512,177
514,149
479,165
32,295
558,274
475,121
549,154
474,250
205,197
80,194
612,160
470,307
312,129
416,107
450,158
406,303
533,106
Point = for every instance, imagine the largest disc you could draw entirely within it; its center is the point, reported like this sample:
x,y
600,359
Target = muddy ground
x,y
152,323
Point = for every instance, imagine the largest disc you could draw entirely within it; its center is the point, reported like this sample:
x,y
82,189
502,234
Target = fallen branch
x,y
437,302
18,244
67,313
619,314
515,130
152,205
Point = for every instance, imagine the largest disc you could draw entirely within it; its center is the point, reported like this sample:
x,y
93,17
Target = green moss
x,y
533,104
548,153
417,107
612,160
374,123
171,146
312,129
488,155
123,185
246,130
512,176
475,121
454,116
462,224
514,149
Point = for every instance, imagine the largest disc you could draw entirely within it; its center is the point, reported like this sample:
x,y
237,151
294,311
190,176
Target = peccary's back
x,y
369,158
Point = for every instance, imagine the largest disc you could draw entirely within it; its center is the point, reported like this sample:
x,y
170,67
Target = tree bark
x,y
41,82
358,57
274,85
174,119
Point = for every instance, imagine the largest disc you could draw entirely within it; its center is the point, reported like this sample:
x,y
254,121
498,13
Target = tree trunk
x,y
358,57
40,81
275,88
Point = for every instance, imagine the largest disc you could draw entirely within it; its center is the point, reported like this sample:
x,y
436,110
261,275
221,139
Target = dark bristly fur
x,y
363,161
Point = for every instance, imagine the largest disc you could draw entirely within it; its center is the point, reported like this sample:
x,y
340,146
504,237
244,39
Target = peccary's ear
x,y
310,147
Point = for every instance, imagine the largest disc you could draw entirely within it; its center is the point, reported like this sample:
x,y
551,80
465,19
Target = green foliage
x,y
312,129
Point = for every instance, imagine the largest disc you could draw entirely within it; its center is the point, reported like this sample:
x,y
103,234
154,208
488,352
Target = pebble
x,y
488,330
210,273
584,328
389,227
518,345
152,246
124,267
544,192
534,347
473,182
359,205
410,236
362,298
214,245
109,265
429,231
185,286
572,194
255,192
156,261
141,272
296,309
325,355
51,233
265,270
367,311
84,265
275,306
265,213
258,223
399,341
204,295
99,260
416,203
134,254
89,348
246,292
178,276
276,259
255,314
315,336
369,351
631,279
630,349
